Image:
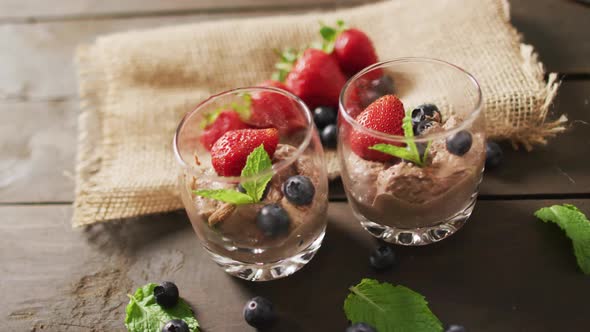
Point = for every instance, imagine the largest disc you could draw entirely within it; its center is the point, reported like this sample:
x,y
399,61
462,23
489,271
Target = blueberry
x,y
329,136
421,126
459,143
299,190
264,193
259,312
166,294
426,112
455,328
324,115
272,220
494,155
360,327
382,258
175,325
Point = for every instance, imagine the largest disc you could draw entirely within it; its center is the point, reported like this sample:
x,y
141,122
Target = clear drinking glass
x,y
230,233
395,199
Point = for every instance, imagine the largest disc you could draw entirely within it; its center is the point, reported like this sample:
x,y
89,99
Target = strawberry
x,y
316,78
386,115
354,51
269,109
225,121
229,153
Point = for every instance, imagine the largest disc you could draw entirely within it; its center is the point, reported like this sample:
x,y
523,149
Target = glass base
x,y
420,236
268,271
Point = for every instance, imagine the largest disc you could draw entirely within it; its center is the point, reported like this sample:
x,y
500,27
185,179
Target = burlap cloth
x,y
135,86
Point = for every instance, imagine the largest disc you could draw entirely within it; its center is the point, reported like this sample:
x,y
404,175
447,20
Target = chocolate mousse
x,y
403,195
236,226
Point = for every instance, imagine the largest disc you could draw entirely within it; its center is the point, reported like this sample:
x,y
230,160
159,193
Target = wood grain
x,y
37,150
558,30
69,9
54,278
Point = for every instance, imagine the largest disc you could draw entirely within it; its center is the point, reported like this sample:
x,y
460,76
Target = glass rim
x,y
398,138
276,168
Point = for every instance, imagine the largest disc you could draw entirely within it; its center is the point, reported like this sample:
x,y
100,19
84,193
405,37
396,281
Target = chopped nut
x,y
197,161
222,213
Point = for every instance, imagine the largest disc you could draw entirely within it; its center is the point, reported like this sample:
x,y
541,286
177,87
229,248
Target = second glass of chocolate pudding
x,y
412,148
263,217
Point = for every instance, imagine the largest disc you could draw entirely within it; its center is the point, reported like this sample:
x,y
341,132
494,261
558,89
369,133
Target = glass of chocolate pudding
x,y
412,148
253,181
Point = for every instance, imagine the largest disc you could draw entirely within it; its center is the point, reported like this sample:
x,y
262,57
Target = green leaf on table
x,y
225,195
576,226
143,314
258,162
389,308
410,152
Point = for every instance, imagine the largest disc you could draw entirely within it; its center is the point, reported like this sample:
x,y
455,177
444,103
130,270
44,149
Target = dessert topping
x,y
460,143
273,220
299,190
384,115
229,153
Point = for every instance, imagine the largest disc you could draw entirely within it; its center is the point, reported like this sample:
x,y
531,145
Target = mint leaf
x,y
576,227
389,308
396,151
225,195
410,152
143,314
258,161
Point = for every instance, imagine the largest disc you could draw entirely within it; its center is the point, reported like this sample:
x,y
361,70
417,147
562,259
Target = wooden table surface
x,y
504,271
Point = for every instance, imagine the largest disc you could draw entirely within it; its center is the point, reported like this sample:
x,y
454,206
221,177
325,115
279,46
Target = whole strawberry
x,y
354,51
269,109
230,152
316,78
386,115
225,121
352,48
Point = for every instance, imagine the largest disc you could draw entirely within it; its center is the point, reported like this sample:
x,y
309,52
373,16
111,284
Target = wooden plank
x,y
562,166
55,278
38,58
39,9
38,147
558,30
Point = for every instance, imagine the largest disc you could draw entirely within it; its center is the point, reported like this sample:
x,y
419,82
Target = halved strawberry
x,y
269,109
229,153
316,78
386,115
225,121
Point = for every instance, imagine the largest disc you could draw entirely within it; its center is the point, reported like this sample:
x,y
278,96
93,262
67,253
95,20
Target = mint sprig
x,y
258,161
389,308
576,226
143,314
410,152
